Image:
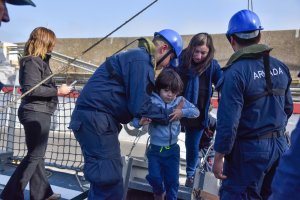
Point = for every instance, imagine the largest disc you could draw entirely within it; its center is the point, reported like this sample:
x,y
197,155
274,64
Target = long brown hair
x,y
198,40
40,42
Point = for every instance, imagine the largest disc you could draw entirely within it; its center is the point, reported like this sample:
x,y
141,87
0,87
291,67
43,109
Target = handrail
x,y
58,57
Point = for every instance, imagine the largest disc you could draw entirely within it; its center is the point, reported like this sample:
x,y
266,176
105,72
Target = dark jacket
x,y
236,119
32,71
105,93
213,75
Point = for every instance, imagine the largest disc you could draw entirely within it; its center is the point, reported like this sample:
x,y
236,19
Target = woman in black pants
x,y
35,115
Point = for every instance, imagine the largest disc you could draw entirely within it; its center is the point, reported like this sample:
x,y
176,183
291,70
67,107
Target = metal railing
x,y
18,50
63,151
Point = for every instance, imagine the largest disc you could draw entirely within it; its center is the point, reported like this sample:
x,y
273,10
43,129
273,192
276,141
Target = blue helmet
x,y
173,38
244,21
20,2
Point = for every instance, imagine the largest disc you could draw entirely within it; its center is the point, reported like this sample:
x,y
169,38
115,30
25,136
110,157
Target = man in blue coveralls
x,y
119,90
254,109
286,182
4,16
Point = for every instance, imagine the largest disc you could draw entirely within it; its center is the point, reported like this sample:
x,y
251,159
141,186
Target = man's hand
x,y
218,166
144,121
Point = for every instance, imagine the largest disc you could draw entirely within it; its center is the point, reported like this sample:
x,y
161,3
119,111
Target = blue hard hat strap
x,y
228,37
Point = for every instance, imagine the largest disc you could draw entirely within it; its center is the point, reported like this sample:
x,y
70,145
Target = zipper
x,y
170,130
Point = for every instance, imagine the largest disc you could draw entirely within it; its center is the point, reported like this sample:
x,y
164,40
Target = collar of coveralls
x,y
252,51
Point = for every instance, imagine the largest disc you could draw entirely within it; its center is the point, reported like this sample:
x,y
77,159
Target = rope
x,y
204,159
135,141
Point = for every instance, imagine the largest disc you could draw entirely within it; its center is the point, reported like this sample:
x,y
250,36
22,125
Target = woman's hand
x,y
64,89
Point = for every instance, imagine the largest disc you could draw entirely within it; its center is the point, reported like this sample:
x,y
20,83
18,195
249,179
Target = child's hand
x,y
144,121
176,115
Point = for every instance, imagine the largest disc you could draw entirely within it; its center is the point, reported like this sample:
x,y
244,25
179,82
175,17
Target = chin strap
x,y
164,57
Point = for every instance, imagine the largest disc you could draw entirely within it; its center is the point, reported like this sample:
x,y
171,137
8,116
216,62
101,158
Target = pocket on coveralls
x,y
103,172
75,125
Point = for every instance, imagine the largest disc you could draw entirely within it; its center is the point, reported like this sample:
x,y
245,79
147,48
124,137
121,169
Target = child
x,y
163,152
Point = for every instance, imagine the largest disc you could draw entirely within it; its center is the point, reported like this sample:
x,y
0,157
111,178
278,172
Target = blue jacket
x,y
104,93
236,118
286,182
165,135
213,74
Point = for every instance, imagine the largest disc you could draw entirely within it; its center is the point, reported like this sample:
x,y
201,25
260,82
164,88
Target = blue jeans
x,y
192,140
163,168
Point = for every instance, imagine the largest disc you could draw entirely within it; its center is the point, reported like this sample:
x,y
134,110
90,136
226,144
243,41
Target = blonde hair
x,y
40,42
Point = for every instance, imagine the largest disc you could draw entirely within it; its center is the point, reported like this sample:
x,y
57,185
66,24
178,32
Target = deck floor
x,y
66,184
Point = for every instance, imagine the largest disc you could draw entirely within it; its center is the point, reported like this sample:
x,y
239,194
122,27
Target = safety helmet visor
x,y
248,35
21,2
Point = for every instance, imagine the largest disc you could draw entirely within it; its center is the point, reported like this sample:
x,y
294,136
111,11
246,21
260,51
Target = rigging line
x,y
135,141
65,67
119,27
125,46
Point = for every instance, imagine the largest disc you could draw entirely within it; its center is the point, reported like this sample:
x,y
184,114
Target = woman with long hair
x,y
199,71
34,114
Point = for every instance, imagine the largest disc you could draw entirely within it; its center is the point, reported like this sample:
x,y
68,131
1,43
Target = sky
x,y
97,18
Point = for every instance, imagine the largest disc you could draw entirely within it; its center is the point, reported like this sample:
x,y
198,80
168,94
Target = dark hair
x,y
247,42
198,40
168,79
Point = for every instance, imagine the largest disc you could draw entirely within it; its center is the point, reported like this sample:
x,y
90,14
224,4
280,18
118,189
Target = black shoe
x,y
189,182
